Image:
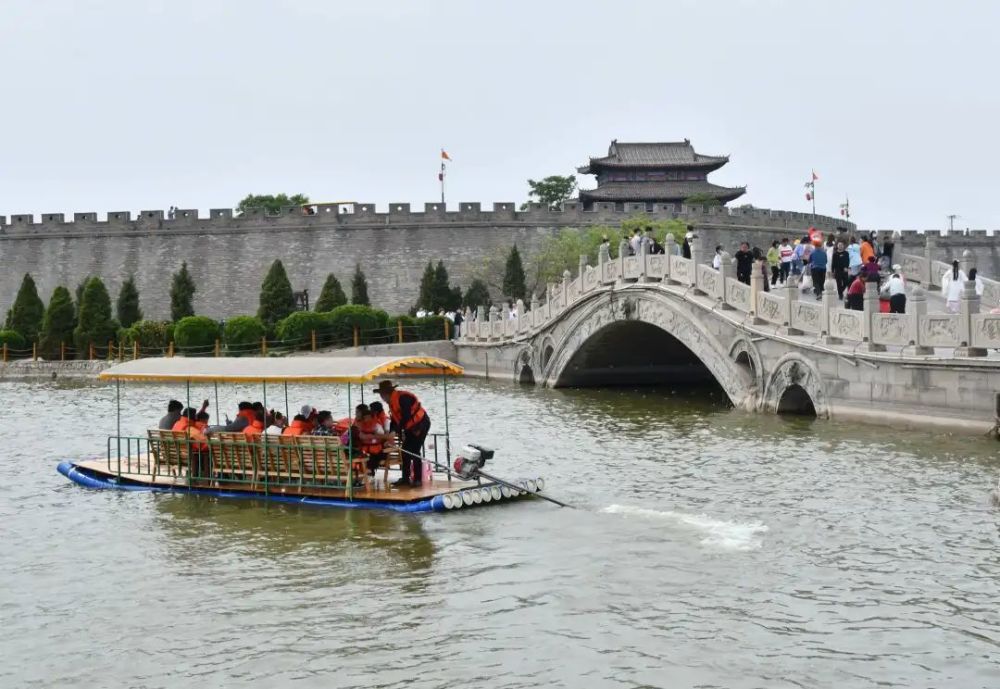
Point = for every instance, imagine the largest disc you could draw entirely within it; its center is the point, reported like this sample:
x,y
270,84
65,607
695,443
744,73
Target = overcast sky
x,y
129,105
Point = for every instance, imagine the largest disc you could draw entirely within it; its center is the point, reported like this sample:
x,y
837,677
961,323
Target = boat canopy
x,y
295,369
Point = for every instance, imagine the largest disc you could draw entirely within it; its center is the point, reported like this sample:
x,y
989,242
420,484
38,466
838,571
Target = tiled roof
x,y
659,191
662,154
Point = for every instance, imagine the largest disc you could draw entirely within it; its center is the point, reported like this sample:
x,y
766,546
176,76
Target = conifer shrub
x,y
196,335
57,324
242,335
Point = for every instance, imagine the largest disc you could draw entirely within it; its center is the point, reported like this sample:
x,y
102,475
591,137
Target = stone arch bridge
x,y
666,319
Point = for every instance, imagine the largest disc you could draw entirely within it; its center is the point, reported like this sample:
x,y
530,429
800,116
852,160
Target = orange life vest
x,y
382,420
374,446
255,426
185,425
297,428
417,413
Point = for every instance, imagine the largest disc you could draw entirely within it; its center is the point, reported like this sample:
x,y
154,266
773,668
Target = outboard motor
x,y
471,459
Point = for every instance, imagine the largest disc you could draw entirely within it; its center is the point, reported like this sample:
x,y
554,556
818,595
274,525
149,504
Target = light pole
x,y
951,222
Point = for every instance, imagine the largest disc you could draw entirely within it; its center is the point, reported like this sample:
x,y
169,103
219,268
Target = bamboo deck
x,y
139,469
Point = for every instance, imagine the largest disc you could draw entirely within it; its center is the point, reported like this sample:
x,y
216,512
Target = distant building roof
x,y
666,154
668,192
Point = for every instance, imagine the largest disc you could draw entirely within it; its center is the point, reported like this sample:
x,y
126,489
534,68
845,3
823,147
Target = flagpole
x,y
813,176
442,181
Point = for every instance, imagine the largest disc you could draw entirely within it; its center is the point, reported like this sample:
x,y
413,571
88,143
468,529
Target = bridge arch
x,y
796,387
639,323
744,353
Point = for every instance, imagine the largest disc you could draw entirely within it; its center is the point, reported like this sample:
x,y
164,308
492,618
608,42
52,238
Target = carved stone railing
x,y
969,332
930,272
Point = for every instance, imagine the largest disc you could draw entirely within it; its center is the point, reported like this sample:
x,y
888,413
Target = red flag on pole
x,y
444,155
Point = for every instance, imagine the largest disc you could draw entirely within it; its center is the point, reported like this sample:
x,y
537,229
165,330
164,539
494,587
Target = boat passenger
x,y
242,420
174,408
298,426
278,424
413,424
201,421
324,423
309,413
371,435
198,448
381,418
256,425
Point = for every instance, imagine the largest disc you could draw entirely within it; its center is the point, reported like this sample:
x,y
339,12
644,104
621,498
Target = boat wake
x,y
717,533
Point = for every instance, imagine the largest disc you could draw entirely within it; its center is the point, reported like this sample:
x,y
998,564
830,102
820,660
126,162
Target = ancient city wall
x,y
229,254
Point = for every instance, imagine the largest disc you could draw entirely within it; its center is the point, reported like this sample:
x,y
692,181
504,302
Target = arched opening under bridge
x,y
634,353
796,401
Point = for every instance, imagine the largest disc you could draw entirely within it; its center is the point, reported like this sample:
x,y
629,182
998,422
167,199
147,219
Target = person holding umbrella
x,y
411,421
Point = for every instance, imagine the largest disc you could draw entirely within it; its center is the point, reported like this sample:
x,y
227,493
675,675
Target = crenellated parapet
x,y
405,215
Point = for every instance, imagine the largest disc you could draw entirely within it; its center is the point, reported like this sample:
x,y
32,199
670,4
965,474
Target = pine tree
x,y
25,316
79,297
513,276
441,291
127,307
181,294
425,298
359,287
58,323
477,295
276,298
96,326
332,295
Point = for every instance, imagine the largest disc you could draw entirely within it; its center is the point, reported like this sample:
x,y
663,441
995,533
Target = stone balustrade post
x,y
669,247
494,317
603,259
968,307
550,290
929,249
916,308
696,257
871,307
565,289
725,271
581,269
791,296
641,258
623,249
534,310
830,302
756,287
522,322
482,324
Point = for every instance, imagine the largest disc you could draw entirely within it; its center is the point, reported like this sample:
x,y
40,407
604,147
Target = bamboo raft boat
x,y
312,470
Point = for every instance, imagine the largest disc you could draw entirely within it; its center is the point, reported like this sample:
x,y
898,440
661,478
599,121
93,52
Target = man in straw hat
x,y
411,421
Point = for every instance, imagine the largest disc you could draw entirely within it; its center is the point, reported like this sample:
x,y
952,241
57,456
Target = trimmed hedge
x,y
371,323
151,335
242,334
296,329
430,328
196,335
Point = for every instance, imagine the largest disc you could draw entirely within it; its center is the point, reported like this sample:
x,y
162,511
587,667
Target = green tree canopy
x,y
95,326
276,298
332,295
425,298
513,276
196,335
442,290
182,291
702,199
79,296
552,190
25,316
271,203
127,307
477,295
359,287
58,323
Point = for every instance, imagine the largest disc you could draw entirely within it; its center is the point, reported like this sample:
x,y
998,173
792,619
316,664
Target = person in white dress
x,y
951,287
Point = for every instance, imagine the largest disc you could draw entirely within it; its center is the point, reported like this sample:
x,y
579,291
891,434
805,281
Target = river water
x,y
710,548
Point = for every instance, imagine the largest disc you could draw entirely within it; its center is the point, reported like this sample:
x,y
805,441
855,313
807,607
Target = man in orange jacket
x,y
413,423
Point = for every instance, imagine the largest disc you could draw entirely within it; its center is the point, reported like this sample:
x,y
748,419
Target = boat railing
x,y
265,462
